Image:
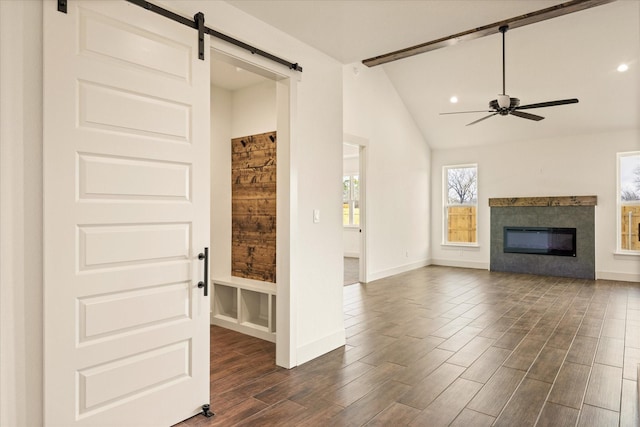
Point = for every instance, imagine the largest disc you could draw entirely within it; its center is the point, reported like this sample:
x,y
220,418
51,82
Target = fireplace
x,y
540,240
550,236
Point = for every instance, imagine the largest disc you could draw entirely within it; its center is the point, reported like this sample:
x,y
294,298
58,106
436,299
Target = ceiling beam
x,y
518,21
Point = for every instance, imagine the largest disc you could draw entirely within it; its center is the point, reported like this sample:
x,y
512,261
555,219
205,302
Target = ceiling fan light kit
x,y
505,105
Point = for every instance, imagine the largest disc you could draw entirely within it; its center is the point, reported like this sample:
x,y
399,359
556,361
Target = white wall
x,y
316,166
21,213
576,165
398,172
221,119
253,110
315,156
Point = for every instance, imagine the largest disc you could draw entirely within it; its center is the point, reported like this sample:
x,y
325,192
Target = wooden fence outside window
x,y
630,222
461,224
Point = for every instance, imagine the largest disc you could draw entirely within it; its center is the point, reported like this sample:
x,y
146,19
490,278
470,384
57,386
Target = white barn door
x,y
126,213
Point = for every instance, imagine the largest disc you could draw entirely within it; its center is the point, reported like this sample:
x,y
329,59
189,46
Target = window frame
x,y
445,205
619,204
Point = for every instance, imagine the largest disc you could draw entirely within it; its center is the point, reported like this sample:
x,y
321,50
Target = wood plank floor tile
x,y
610,352
274,414
404,351
498,328
592,416
629,414
460,338
631,363
560,340
547,365
366,408
236,413
541,332
317,414
496,392
469,418
422,327
471,351
354,390
524,355
613,328
632,335
583,350
424,366
451,328
525,405
510,339
422,394
570,385
443,410
395,414
604,387
481,320
486,365
590,327
554,415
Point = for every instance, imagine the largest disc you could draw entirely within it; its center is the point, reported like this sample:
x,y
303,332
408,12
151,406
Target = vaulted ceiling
x,y
575,55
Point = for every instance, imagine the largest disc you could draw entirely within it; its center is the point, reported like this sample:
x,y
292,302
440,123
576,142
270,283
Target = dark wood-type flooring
x,y
442,346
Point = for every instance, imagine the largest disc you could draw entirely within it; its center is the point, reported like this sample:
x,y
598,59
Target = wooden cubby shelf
x,y
245,305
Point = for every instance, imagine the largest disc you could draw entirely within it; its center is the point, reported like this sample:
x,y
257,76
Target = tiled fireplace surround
x,y
573,212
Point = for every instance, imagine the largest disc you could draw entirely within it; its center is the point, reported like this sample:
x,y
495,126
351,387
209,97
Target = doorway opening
x,y
353,209
249,102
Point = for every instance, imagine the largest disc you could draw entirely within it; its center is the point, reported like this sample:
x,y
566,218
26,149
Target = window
x,y
350,197
629,201
460,204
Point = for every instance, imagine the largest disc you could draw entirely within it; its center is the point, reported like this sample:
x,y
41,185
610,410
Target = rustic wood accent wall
x,y
253,207
545,201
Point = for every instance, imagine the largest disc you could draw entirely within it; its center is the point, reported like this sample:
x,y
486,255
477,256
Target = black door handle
x,y
205,284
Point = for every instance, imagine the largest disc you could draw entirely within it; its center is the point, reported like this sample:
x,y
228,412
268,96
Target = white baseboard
x,y
352,254
463,264
397,270
319,347
621,277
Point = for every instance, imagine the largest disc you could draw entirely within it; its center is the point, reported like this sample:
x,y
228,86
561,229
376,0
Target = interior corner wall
x,y
21,213
315,284
578,165
398,172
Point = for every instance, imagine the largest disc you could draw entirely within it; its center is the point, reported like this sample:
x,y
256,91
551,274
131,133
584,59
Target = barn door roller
x,y
198,24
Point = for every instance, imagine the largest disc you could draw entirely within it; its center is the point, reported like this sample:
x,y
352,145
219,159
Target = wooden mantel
x,y
545,201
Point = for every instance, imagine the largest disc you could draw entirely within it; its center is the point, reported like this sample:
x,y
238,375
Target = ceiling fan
x,y
505,105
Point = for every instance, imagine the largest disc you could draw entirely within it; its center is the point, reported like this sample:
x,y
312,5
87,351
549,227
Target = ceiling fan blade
x,y
484,118
464,112
548,104
526,115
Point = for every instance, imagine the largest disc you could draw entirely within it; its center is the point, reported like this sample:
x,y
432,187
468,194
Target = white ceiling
x,y
232,77
571,56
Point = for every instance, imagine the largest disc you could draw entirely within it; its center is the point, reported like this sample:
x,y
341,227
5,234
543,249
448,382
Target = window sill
x,y
460,245
627,253
351,227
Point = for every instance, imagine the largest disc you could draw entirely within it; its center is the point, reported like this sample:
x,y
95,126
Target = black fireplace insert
x,y
540,240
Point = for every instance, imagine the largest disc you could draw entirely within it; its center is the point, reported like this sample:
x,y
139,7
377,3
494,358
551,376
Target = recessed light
x,y
622,68
453,99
